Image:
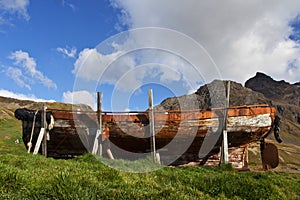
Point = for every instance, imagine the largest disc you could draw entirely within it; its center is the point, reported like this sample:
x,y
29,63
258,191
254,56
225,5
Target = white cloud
x,y
93,65
18,7
90,64
67,51
31,97
242,37
28,63
67,4
17,75
80,97
127,110
131,70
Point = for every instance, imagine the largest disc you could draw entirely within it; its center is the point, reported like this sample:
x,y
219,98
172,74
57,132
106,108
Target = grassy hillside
x,y
290,132
34,177
10,104
289,157
10,132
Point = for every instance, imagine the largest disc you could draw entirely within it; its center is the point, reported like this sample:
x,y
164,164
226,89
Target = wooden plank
x,y
44,126
39,141
98,139
151,124
174,115
224,151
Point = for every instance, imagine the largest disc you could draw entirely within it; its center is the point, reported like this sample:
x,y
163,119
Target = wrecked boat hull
x,y
179,135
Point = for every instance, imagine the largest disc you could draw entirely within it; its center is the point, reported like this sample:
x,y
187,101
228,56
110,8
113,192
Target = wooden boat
x,y
179,135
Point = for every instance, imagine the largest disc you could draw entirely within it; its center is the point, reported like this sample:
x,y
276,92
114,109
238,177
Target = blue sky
x,y
53,25
67,50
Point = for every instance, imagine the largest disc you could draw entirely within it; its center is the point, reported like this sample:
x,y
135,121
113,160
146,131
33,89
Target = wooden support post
x,y
151,124
263,156
109,154
98,139
245,159
44,125
224,150
39,141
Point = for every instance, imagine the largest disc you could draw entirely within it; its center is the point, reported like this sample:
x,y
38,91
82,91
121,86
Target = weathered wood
x,y
152,125
246,159
44,125
39,141
98,139
110,155
143,117
236,156
29,144
72,136
224,152
42,136
269,155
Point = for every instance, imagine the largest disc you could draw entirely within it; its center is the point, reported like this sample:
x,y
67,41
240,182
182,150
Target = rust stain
x,y
269,155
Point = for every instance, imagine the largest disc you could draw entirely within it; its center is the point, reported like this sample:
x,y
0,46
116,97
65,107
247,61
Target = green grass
x,y
10,132
25,176
35,177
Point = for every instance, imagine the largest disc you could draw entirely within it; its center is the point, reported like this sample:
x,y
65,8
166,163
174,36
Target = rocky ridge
x,y
260,89
285,97
213,95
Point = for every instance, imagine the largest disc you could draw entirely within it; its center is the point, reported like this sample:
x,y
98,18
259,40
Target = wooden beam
x,y
39,141
44,125
42,138
151,124
224,150
246,158
98,139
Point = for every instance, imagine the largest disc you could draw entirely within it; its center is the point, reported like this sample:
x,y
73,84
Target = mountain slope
x,y
9,105
286,98
260,89
213,95
279,91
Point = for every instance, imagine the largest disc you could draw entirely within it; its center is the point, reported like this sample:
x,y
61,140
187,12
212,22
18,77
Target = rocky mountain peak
x,y
213,95
275,90
284,96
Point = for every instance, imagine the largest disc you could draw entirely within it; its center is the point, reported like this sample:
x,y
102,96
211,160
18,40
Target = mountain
x,y
280,91
286,98
260,89
213,95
